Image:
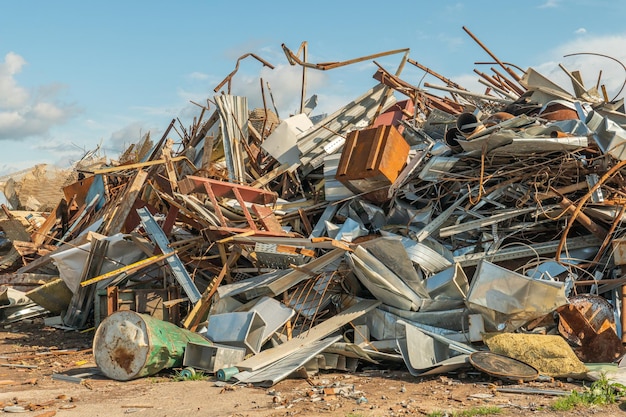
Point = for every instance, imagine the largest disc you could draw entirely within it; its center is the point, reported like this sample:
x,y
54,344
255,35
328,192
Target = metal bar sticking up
x,y
230,76
178,269
491,54
295,60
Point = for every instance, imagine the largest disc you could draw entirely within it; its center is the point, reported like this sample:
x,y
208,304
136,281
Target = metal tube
x,y
434,74
468,93
508,82
507,69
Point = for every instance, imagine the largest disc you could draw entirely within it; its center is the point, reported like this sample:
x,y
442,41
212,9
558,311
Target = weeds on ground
x,y
186,375
601,392
471,412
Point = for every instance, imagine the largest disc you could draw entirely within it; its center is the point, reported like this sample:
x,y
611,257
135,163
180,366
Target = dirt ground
x,y
48,372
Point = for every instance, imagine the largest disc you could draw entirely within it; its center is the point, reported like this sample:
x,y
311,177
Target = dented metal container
x,y
372,159
129,345
212,358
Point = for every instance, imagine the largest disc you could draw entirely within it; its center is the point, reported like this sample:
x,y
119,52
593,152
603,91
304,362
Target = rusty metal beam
x,y
324,66
230,76
436,75
491,54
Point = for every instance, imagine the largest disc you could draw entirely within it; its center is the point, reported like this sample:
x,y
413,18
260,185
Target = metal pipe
x,y
508,82
468,124
303,94
507,69
468,93
575,81
498,90
230,76
609,57
434,74
293,59
614,169
583,219
493,81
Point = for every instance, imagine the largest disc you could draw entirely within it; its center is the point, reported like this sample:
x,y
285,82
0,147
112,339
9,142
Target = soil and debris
x,y
409,253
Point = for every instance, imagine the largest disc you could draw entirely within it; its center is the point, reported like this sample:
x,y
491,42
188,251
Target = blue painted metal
x,y
160,239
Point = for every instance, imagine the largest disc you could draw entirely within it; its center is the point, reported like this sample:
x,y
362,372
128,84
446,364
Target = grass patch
x,y
188,375
601,392
470,412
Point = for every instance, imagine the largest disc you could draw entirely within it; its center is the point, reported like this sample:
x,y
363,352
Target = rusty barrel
x,y
129,345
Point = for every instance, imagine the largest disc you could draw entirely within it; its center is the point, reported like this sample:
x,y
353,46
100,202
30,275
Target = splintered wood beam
x,y
169,165
267,218
128,269
123,205
201,309
138,165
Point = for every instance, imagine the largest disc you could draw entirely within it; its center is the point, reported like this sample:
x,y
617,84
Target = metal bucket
x,y
129,345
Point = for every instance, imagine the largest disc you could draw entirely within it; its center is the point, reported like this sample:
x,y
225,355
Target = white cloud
x,y
580,31
453,42
124,137
198,76
12,96
23,114
283,84
455,8
591,56
549,4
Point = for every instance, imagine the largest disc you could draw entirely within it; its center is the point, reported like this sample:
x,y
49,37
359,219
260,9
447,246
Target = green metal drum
x,y
129,345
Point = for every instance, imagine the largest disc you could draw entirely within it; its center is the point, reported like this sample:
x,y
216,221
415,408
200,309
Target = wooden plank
x,y
316,333
79,309
201,308
169,165
116,218
266,217
137,165
207,152
39,236
15,278
30,248
308,228
293,250
129,269
270,176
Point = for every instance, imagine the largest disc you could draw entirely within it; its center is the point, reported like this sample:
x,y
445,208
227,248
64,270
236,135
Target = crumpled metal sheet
x,y
507,300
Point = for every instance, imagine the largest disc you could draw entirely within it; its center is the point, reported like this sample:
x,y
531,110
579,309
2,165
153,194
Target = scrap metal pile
x,y
415,231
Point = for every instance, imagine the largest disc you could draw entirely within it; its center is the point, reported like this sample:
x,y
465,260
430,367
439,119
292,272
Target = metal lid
x,y
503,366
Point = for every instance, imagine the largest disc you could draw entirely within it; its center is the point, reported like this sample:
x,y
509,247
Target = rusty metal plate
x,y
503,366
595,315
587,323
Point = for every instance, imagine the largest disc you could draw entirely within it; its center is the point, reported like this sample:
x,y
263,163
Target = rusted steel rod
x,y
582,202
583,219
293,59
508,82
230,76
434,74
491,54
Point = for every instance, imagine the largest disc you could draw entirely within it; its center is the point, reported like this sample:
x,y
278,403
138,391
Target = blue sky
x,y
75,75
